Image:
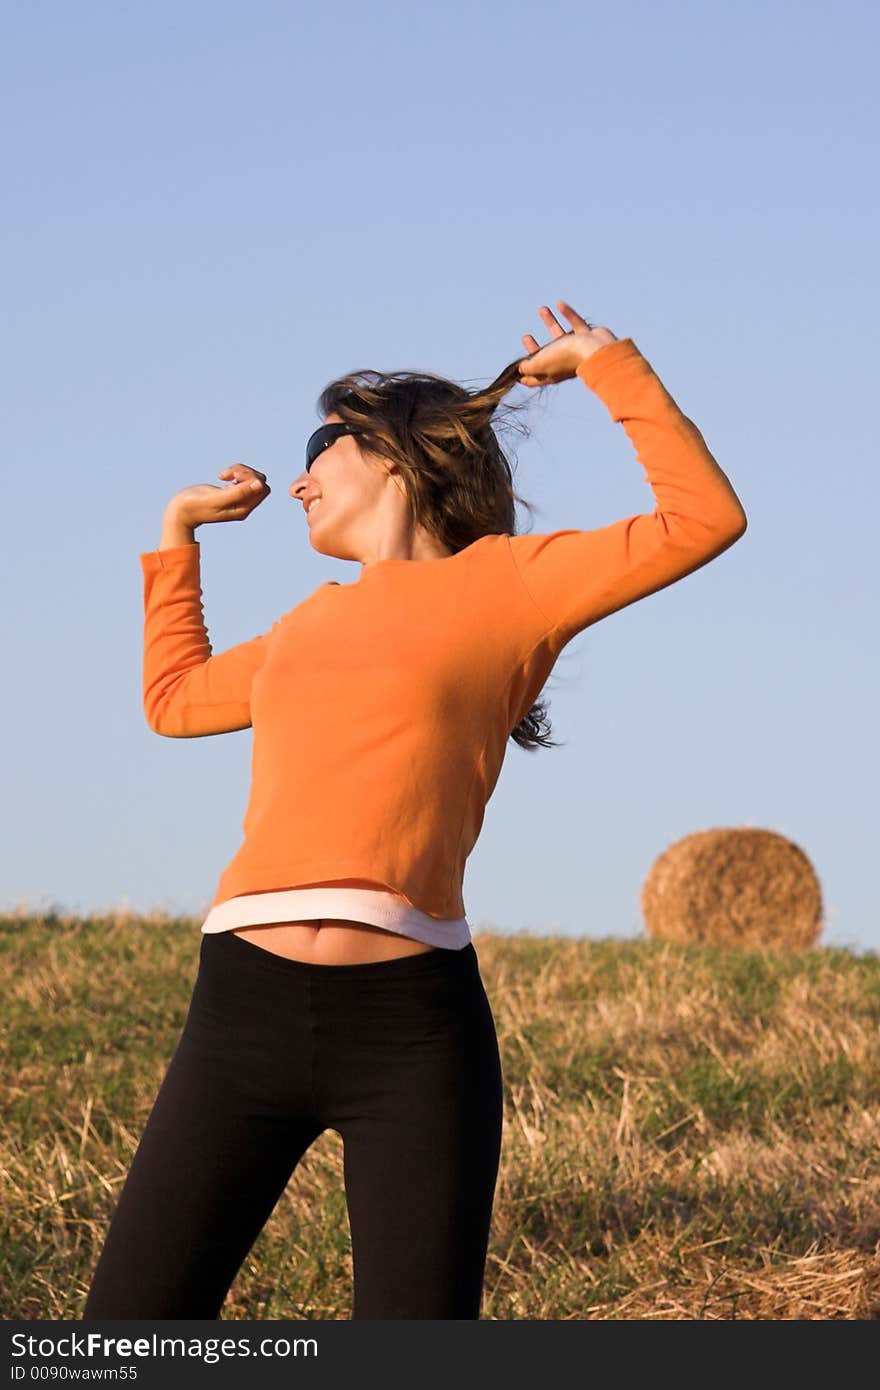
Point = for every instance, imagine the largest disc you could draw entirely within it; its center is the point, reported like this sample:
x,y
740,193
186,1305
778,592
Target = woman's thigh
x,y
218,1148
421,1125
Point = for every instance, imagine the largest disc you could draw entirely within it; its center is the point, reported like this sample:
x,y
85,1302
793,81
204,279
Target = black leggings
x,y
399,1056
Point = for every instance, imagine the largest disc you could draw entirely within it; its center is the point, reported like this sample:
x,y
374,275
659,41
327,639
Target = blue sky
x,y
212,210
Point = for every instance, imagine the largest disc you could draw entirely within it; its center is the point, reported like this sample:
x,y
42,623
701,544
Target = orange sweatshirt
x,y
381,709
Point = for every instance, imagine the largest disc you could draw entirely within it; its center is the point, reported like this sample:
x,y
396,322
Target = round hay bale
x,y
738,887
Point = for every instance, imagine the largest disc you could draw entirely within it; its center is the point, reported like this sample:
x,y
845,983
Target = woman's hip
x,y
425,1014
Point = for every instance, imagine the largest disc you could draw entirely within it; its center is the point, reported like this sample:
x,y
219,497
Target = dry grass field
x,y
689,1132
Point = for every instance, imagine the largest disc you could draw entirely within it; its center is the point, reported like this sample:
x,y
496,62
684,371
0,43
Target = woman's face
x,y
342,489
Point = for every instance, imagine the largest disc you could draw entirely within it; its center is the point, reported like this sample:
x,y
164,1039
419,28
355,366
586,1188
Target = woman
x,y
338,986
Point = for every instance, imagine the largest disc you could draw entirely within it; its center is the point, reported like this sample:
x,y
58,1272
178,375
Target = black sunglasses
x,y
323,438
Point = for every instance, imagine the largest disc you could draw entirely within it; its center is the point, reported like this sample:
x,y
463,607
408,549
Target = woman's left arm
x,y
575,577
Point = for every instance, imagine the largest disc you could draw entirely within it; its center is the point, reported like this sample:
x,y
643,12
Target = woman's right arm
x,y
187,691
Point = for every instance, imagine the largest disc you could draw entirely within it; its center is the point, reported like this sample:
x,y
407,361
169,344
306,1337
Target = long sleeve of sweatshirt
x,y
577,577
188,692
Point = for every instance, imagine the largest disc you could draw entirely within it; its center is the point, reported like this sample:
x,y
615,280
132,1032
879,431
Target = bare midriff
x,y
332,941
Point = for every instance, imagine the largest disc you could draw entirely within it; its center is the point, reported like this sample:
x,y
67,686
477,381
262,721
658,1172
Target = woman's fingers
x,y
553,324
243,484
531,343
551,321
241,474
568,312
241,470
572,314
579,324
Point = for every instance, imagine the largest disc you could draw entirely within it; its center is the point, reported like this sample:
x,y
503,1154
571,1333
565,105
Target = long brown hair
x,y
457,478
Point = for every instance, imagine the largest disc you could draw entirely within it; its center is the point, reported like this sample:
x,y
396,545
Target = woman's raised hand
x,y
559,359
206,502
